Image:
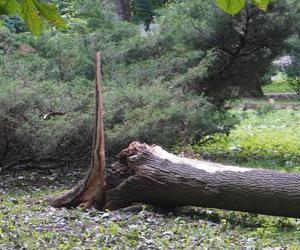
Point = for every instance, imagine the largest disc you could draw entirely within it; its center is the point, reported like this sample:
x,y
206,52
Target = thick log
x,y
148,174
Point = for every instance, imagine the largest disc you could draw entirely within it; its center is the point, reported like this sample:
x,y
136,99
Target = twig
x,y
31,163
49,114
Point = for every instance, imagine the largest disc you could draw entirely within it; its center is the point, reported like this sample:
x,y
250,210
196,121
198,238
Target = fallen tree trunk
x,y
148,174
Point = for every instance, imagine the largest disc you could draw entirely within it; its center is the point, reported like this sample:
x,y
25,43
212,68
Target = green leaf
x,y
31,17
231,7
9,7
33,12
12,7
261,4
2,10
2,7
49,12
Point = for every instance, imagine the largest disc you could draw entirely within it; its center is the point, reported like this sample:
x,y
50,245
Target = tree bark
x,y
123,9
148,174
161,178
250,88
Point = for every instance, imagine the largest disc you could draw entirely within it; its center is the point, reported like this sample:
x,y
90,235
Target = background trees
x,y
164,86
52,76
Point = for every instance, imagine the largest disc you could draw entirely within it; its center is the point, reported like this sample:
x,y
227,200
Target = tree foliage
x,y
233,7
141,100
153,83
145,10
33,12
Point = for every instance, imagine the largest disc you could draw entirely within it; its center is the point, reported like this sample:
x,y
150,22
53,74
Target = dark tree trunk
x,y
121,8
148,174
250,88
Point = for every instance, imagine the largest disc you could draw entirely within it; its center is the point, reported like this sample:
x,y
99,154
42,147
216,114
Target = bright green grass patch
x,y
277,87
272,137
280,85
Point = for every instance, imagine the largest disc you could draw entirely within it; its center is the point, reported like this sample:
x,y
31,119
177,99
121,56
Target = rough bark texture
x,y
148,174
91,190
151,175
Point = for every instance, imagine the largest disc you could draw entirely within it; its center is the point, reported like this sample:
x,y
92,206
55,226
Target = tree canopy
x,y
34,12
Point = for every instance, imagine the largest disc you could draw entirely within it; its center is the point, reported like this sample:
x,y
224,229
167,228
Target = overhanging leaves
x,y
31,17
12,7
231,7
48,11
34,12
261,4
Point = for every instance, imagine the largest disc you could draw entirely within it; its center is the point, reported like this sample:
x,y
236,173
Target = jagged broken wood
x,y
149,174
91,190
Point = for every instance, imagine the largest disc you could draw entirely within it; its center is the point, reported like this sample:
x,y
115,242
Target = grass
x,y
279,85
265,137
27,222
268,137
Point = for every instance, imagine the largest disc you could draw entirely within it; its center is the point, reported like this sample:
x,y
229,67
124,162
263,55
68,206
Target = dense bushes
x,y
159,114
152,113
153,84
24,132
141,103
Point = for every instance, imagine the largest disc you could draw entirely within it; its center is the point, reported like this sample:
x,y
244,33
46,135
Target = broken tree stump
x,y
90,192
149,174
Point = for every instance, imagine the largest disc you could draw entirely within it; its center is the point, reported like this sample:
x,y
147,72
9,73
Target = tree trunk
x,y
91,190
250,88
148,174
123,10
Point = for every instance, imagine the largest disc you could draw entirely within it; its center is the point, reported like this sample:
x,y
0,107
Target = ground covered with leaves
x,y
28,222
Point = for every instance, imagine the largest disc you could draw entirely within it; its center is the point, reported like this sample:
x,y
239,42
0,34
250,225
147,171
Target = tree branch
x,y
28,161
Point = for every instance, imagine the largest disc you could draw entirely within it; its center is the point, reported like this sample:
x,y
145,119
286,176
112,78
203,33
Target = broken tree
x,y
148,174
91,190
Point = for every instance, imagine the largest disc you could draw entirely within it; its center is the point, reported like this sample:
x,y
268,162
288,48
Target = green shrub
x,y
145,97
24,132
294,84
278,85
159,114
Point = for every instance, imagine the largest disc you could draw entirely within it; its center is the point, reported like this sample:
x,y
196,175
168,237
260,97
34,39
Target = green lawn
x,y
264,136
277,87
